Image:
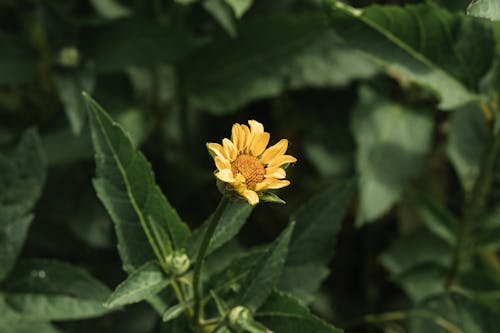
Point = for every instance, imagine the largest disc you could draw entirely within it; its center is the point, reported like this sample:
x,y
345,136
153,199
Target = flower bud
x,y
69,56
241,320
239,317
177,263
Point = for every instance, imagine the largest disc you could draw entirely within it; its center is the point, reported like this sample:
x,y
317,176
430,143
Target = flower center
x,y
251,168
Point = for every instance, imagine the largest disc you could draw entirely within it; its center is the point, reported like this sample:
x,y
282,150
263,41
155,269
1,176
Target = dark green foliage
x,y
391,221
22,175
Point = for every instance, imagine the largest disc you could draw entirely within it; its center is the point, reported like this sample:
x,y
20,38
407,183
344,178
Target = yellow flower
x,y
246,165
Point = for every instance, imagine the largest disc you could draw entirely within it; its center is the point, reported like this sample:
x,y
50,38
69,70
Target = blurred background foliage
x,y
177,73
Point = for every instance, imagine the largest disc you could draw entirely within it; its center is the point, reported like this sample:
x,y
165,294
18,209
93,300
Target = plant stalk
x,y
197,285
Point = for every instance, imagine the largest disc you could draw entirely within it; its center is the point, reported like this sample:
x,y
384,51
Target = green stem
x,y
475,204
179,293
198,292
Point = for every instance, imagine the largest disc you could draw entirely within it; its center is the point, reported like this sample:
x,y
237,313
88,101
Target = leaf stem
x,y
198,292
475,203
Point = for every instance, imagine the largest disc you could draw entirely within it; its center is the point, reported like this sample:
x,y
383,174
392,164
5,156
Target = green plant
x,y
109,215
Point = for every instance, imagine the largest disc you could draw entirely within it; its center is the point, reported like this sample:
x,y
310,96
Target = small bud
x,y
177,263
69,56
241,320
240,317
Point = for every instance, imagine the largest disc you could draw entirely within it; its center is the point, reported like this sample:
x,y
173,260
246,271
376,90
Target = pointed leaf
x,y
22,175
266,273
232,220
51,290
312,246
467,142
126,185
437,219
423,43
144,282
284,314
239,7
223,14
232,278
175,311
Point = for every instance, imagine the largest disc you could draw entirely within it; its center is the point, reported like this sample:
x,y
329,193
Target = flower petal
x,y
229,149
275,151
222,163
225,175
255,126
284,159
277,173
251,197
247,138
259,143
238,136
216,148
271,184
275,184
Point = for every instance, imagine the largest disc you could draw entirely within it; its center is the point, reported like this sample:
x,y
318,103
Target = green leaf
x,y
312,246
125,184
436,218
481,286
392,141
110,9
271,197
223,14
453,313
9,315
12,322
232,278
232,220
266,273
486,233
448,53
144,282
126,42
51,290
423,281
175,311
284,314
467,142
22,176
239,7
419,262
271,54
415,248
177,325
70,87
489,9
